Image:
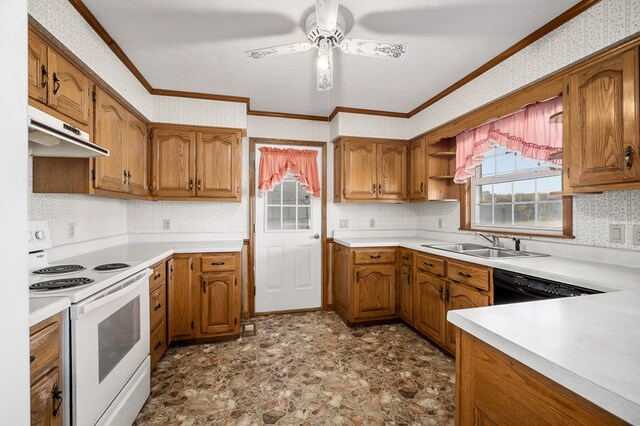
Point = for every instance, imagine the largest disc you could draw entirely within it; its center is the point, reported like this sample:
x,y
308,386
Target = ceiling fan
x,y
325,30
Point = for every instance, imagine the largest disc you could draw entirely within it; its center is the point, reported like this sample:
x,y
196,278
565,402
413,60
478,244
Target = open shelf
x,y
442,177
441,159
444,154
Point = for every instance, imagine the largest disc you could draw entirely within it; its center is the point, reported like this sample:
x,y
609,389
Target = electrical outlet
x,y
616,234
635,238
439,223
166,224
71,231
344,223
372,223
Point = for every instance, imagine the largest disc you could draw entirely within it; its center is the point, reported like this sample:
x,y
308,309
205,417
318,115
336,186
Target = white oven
x,y
110,353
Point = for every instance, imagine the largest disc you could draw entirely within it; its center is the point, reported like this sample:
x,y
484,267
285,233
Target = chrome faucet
x,y
493,239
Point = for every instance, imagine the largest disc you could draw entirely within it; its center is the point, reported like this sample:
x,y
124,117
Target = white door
x,y
288,247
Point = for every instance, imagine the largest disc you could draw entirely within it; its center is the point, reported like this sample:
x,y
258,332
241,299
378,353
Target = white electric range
x,y
108,338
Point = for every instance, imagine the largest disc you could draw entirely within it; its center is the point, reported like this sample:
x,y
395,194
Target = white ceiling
x,y
199,45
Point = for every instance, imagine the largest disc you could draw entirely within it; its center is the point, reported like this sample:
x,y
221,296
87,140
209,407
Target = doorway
x,y
288,237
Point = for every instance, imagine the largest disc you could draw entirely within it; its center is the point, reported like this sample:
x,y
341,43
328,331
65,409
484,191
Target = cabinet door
x,y
359,171
460,297
338,189
170,283
406,293
111,123
173,155
429,307
180,299
392,171
418,170
38,73
603,121
69,89
218,296
45,409
136,155
374,294
218,165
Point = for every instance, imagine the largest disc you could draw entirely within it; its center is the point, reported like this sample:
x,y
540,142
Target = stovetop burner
x,y
59,269
60,284
111,266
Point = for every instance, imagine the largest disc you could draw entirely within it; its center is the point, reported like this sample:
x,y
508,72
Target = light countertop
x,y
589,344
593,275
41,309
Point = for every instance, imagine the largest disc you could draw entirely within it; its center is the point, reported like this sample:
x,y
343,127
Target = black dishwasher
x,y
512,287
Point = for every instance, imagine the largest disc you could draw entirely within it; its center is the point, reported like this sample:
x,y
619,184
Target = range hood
x,y
51,137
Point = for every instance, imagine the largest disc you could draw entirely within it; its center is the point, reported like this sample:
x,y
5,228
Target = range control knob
x,y
39,235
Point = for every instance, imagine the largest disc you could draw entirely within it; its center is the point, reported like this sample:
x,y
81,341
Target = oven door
x,y
109,341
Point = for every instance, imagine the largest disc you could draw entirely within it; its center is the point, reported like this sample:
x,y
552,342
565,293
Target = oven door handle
x,y
78,311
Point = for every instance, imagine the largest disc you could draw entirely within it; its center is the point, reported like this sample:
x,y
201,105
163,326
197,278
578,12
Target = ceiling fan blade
x,y
376,48
327,14
278,50
325,74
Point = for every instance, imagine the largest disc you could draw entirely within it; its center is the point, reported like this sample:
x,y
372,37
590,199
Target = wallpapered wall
x,y
96,217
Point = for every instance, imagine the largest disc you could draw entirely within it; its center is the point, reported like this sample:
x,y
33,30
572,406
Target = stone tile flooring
x,y
305,369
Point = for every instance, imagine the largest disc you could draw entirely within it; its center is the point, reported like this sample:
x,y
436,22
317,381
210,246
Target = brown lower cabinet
x,y
495,389
158,310
373,284
204,296
46,372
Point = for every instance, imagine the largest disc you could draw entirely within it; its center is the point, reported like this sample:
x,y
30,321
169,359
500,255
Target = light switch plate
x,y
635,238
166,225
616,234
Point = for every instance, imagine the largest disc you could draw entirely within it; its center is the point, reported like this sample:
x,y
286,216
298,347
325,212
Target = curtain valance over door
x,y
276,162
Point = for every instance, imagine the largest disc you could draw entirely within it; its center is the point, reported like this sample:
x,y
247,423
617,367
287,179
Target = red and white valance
x,y
275,163
529,131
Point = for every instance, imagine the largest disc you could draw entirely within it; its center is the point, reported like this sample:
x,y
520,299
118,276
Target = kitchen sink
x,y
496,253
456,247
478,250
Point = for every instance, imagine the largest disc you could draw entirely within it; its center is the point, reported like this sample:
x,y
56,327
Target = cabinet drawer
x,y
158,343
158,275
475,276
374,256
431,264
157,305
406,257
45,348
218,262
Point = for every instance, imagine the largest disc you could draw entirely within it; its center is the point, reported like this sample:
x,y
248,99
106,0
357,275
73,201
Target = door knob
x,y
316,236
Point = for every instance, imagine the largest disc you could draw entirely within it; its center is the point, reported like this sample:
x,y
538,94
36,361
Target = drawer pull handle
x,y
56,83
158,306
357,277
155,348
441,294
57,397
405,257
627,156
156,276
217,263
464,275
377,256
430,265
32,358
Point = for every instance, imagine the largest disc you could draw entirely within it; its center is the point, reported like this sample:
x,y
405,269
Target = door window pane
x,y
273,218
288,207
288,218
275,196
289,189
117,334
304,218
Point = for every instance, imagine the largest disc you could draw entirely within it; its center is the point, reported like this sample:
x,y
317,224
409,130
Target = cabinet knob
x,y
158,306
158,344
45,76
199,185
627,156
374,188
190,184
56,83
57,399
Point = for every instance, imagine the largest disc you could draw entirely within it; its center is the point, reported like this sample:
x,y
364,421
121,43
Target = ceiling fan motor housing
x,y
316,35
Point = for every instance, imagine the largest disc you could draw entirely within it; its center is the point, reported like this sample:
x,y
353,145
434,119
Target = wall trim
x,y
570,13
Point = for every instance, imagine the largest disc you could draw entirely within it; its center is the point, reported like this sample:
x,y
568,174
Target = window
x,y
288,207
512,193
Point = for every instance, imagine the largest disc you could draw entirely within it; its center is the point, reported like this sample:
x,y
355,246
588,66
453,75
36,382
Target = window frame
x,y
288,178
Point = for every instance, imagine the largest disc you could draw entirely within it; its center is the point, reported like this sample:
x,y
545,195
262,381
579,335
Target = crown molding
x,y
531,38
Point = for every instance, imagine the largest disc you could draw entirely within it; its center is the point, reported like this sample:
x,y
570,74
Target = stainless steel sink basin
x,y
456,247
496,253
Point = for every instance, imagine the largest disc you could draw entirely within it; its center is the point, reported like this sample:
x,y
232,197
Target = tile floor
x,y
305,369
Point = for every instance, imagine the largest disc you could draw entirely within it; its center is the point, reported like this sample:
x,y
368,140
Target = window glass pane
x,y
505,163
524,215
498,150
485,215
489,166
273,197
547,185
486,195
273,218
304,198
288,217
503,214
502,193
304,218
289,192
523,163
550,214
524,190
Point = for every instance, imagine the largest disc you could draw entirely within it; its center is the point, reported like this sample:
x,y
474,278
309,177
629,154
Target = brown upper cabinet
x,y
56,85
603,123
418,170
370,170
189,162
